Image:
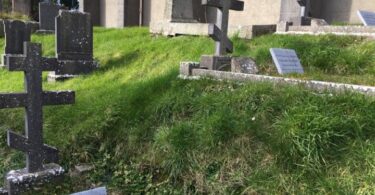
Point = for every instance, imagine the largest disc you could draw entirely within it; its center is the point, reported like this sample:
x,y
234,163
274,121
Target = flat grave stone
x,y
97,191
367,17
286,61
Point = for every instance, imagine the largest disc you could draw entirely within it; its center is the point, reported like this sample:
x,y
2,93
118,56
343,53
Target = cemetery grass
x,y
145,130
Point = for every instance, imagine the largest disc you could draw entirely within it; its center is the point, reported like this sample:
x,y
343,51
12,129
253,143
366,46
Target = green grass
x,y
145,130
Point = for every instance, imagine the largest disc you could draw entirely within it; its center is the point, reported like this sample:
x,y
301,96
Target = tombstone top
x,y
367,17
286,61
16,33
302,2
74,36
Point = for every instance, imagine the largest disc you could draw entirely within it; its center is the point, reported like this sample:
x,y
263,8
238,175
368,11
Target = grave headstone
x,y
41,159
16,33
367,17
97,191
47,14
286,61
219,32
74,44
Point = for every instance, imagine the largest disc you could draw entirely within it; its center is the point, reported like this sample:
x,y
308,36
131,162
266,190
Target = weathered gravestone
x,y
305,6
244,65
286,61
219,32
41,159
96,191
16,33
367,17
47,14
74,45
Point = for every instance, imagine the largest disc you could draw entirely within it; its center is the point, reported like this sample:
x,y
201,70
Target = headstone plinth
x,y
19,181
215,62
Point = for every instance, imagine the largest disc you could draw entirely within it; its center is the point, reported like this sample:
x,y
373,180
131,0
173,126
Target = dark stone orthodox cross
x,y
219,33
219,30
33,99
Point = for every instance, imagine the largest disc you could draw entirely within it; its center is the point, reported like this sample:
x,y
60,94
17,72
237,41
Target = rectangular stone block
x,y
47,14
215,62
286,61
187,67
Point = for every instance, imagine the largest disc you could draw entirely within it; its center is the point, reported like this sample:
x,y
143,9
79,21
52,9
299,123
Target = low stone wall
x,y
201,29
326,29
190,70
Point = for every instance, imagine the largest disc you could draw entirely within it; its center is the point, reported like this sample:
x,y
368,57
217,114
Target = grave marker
x,y
38,155
367,17
96,191
47,14
219,32
286,61
74,44
16,33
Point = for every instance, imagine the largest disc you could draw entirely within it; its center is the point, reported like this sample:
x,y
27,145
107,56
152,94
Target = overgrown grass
x,y
147,131
13,15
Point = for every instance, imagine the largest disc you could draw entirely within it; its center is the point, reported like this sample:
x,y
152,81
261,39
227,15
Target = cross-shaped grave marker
x,y
219,32
33,99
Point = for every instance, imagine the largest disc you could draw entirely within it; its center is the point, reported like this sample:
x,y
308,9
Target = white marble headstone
x,y
286,61
367,17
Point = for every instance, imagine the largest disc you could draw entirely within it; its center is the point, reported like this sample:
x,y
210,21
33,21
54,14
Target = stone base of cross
x,y
218,32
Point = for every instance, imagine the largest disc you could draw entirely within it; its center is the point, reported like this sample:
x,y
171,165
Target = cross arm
x,y
58,97
234,4
13,100
215,33
21,143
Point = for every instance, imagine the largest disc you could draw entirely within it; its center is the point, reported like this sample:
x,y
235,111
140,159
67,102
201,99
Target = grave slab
x,y
286,61
367,17
96,191
244,65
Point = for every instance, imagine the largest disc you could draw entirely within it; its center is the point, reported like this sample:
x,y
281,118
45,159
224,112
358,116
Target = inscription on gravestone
x,y
219,33
367,17
33,99
286,61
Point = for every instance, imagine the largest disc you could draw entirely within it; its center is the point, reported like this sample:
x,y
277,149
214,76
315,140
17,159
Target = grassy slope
x,y
146,130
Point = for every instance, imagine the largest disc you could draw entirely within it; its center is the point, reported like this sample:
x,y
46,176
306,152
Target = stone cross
x,y
33,99
219,31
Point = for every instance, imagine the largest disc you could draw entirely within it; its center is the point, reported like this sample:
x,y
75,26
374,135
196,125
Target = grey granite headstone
x,y
286,61
97,191
33,99
47,14
219,32
367,17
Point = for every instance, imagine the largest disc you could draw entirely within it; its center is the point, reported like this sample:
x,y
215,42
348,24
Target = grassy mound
x,y
145,130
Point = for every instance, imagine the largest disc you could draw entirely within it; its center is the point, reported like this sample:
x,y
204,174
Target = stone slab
x,y
367,17
320,86
97,191
244,65
215,62
187,67
47,14
286,61
19,181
